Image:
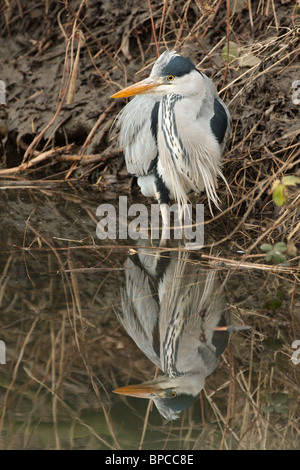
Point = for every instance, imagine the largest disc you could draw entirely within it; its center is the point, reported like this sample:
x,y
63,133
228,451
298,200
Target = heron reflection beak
x,y
145,390
138,88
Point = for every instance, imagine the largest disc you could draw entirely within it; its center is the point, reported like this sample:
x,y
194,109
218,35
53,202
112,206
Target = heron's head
x,y
170,395
171,74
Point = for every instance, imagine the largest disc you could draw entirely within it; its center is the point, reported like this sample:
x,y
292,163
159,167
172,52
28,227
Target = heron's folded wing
x,y
140,311
220,122
138,134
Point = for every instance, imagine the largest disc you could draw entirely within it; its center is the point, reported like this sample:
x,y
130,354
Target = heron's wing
x,y
216,113
220,122
138,130
140,311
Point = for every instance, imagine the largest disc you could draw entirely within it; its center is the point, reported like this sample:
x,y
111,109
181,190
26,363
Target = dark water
x,y
80,317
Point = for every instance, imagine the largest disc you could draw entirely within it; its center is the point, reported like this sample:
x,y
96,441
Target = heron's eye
x,y
172,394
170,78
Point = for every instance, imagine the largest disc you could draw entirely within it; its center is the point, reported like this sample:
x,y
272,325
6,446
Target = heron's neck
x,y
168,103
169,126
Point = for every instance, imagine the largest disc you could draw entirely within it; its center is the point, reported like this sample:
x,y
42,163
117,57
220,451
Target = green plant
x,y
280,189
277,402
275,254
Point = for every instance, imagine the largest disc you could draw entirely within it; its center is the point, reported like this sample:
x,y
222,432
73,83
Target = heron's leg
x,y
165,215
163,196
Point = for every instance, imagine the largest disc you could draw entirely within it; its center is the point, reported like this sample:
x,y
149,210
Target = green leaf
x,y
290,180
280,195
278,258
275,184
278,401
280,247
281,409
268,409
232,52
266,247
270,399
279,398
275,254
269,256
280,188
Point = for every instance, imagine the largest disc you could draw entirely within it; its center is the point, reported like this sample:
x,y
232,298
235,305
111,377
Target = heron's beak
x,y
145,390
138,88
232,328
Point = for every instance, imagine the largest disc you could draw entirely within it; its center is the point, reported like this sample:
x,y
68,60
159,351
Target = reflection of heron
x,y
174,132
171,307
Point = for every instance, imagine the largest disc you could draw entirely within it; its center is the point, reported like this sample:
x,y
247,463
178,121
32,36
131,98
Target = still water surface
x,y
81,317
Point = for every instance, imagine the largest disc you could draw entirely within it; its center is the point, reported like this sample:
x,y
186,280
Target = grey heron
x,y
176,313
174,131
